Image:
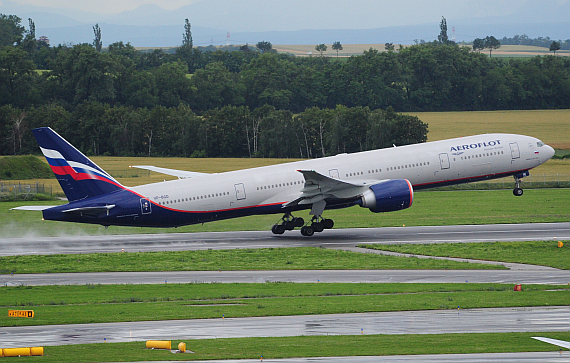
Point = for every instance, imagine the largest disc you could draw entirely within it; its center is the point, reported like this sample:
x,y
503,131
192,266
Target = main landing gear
x,y
518,190
289,223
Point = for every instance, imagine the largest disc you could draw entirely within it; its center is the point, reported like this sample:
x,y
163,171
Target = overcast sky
x,y
408,11
293,15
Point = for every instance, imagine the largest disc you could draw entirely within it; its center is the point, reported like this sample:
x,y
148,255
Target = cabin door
x,y
240,191
515,152
444,161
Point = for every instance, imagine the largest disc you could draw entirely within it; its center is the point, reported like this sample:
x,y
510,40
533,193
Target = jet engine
x,y
388,196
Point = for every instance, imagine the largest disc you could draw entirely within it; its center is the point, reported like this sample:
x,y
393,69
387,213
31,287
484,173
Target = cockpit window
x,y
540,144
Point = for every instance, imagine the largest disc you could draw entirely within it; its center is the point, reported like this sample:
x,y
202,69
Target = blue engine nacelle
x,y
388,196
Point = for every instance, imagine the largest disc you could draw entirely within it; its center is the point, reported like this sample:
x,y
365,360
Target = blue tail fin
x,y
79,177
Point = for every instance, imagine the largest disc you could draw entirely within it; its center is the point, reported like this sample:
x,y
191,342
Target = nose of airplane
x,y
549,152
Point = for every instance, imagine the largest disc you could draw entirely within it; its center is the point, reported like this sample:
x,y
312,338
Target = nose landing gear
x,y
517,192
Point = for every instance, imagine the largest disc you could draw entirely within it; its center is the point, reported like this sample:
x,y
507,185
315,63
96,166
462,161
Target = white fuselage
x,y
425,165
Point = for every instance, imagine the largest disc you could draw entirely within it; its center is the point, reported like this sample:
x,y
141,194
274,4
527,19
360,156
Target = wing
x,y
181,174
319,187
560,343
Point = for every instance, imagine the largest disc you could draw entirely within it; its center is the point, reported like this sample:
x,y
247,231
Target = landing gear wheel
x,y
318,227
518,192
278,229
289,225
307,231
328,223
298,222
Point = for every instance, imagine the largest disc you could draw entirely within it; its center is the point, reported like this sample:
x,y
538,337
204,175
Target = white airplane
x,y
381,180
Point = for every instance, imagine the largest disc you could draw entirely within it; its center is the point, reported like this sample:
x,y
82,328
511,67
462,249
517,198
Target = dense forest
x,y
251,101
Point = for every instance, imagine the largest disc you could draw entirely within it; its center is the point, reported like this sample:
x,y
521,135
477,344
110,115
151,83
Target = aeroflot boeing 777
x,y
380,180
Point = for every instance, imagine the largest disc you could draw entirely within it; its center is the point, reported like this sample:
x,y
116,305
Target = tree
x,y
442,37
97,41
16,77
264,46
245,48
321,48
11,31
173,87
337,46
554,46
216,87
187,36
478,44
389,47
82,73
30,44
492,43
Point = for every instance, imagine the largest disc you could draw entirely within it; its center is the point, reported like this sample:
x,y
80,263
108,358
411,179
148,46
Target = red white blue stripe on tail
x,y
79,177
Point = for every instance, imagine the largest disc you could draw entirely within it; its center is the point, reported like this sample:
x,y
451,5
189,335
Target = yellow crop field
x,y
551,126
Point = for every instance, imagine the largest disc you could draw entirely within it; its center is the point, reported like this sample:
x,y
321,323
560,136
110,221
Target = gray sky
x,y
293,15
390,11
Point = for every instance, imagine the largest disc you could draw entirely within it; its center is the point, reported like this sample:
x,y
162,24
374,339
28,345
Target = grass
x,y
122,303
301,258
23,167
544,253
308,346
429,209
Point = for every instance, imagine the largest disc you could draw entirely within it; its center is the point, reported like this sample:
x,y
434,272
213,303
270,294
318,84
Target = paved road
x,y
264,239
551,319
531,357
552,277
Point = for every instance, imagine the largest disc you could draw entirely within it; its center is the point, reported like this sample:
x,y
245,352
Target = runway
x,y
265,239
415,322
502,320
550,277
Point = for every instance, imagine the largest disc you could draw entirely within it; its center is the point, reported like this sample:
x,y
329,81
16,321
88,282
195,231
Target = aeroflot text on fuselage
x,y
475,146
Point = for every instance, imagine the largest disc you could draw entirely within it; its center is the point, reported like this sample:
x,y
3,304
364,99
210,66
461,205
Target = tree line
x,y
545,42
230,131
85,85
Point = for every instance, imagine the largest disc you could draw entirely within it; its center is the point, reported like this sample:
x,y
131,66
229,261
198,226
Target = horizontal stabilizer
x,y
181,174
90,211
560,343
33,207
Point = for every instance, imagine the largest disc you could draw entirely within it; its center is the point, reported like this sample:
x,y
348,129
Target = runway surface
x,y
551,319
531,357
265,239
550,277
418,322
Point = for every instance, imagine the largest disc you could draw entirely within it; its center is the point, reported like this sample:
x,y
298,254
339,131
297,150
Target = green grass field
x,y
301,258
122,303
543,253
